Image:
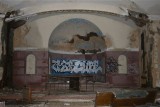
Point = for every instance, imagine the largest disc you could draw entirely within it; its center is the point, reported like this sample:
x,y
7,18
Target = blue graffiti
x,y
75,66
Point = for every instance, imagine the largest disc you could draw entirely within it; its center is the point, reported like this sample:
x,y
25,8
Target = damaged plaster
x,y
76,34
19,36
113,34
135,38
154,35
89,42
94,42
27,36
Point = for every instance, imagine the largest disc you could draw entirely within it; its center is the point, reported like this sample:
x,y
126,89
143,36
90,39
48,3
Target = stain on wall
x,y
108,41
19,36
135,38
27,36
92,42
154,34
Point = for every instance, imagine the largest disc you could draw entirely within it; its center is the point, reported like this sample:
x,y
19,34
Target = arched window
x,y
30,64
122,61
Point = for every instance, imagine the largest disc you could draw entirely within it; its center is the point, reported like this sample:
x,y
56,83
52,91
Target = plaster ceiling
x,y
150,7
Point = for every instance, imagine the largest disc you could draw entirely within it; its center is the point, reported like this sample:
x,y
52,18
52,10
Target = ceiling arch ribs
x,y
140,19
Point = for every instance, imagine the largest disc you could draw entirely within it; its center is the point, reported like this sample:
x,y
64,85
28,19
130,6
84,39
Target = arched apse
x,y
76,34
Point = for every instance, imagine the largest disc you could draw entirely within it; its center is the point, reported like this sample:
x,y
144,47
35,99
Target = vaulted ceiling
x,y
150,7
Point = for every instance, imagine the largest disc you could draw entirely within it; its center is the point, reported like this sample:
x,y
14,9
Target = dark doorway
x,y
74,83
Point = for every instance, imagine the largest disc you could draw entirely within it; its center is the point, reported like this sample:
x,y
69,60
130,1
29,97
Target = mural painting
x,y
77,36
73,67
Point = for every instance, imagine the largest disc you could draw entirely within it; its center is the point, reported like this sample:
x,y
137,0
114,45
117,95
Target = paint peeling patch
x,y
154,65
140,19
19,36
134,38
108,42
154,27
90,43
27,35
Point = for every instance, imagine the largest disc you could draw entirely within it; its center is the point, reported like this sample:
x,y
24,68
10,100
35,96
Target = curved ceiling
x,y
150,7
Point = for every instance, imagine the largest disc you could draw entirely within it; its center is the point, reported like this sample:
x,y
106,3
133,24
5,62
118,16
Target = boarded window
x,y
122,61
30,64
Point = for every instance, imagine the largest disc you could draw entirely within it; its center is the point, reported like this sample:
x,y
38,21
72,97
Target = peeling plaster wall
x,y
154,34
28,36
135,38
76,34
118,33
1,69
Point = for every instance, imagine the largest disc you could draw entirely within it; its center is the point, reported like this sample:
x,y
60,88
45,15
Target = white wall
x,y
116,30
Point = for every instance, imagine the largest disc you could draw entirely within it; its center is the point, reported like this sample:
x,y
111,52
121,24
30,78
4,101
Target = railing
x,y
72,81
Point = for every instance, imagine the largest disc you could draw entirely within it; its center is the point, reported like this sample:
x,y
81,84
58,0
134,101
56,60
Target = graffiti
x,y
112,65
75,66
132,68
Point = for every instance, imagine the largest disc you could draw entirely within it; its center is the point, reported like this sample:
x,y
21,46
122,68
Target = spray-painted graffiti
x,y
112,64
132,68
75,66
